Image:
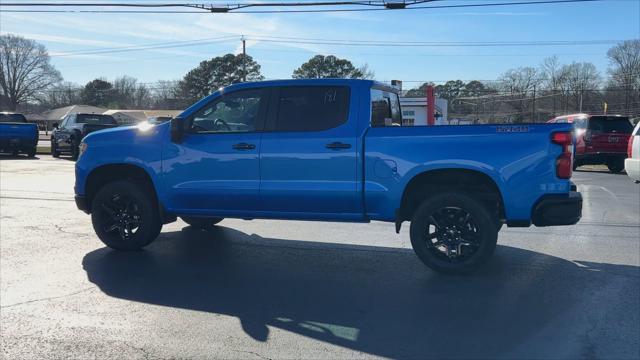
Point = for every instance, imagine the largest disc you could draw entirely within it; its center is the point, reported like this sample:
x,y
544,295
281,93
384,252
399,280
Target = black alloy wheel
x,y
125,216
453,233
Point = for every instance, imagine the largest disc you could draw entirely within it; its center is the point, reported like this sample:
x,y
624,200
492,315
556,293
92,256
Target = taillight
x,y
587,136
564,162
630,146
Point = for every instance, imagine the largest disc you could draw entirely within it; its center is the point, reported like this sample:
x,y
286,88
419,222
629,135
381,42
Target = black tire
x,y
615,165
15,153
458,216
32,152
75,151
201,222
54,149
125,216
575,165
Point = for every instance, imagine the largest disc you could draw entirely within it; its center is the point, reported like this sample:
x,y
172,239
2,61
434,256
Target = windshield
x,y
12,118
96,120
610,124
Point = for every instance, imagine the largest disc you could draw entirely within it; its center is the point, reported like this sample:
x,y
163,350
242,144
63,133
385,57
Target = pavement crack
x,y
68,232
48,298
253,353
144,352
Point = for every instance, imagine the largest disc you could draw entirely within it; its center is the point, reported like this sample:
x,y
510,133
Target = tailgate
x,y
608,134
18,131
89,128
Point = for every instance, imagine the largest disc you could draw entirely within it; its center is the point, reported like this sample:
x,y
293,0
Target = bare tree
x,y
520,84
625,70
580,77
167,95
63,94
554,80
25,70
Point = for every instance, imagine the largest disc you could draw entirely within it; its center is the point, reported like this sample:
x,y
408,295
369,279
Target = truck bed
x,y
520,159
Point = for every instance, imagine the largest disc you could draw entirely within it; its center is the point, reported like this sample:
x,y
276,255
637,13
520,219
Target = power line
x,y
173,44
237,8
431,44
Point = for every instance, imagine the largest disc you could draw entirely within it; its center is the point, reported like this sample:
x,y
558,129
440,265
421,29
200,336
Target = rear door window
x,y
311,108
610,124
385,109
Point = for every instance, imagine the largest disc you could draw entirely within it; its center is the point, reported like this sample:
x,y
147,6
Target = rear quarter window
x,y
312,108
385,109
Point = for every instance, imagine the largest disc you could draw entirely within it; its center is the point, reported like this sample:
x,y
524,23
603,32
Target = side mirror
x,y
54,125
178,129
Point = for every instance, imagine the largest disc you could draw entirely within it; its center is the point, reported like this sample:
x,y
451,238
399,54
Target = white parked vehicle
x,y
632,162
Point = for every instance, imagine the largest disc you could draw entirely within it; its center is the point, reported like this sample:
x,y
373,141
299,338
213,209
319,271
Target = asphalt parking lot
x,y
275,289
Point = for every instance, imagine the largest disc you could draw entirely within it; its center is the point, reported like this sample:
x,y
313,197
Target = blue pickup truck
x,y
17,135
328,150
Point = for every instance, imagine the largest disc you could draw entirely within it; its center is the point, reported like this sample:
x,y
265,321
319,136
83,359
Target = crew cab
x,y
17,135
328,150
600,139
66,137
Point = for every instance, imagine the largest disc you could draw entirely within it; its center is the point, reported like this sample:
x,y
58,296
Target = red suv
x,y
600,139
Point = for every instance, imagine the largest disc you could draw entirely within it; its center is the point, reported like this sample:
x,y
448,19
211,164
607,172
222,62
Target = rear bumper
x,y
17,143
554,210
81,203
598,158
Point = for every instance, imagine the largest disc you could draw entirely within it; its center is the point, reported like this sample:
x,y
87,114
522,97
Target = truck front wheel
x,y
54,148
201,223
125,216
453,233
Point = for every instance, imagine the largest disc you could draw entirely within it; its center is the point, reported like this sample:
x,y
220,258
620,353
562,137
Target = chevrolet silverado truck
x,y
17,135
66,137
328,150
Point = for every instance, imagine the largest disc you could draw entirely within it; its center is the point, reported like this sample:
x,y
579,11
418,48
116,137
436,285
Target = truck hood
x,y
125,135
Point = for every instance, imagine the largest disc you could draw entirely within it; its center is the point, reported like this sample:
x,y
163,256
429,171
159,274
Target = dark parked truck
x,y
328,150
67,136
17,135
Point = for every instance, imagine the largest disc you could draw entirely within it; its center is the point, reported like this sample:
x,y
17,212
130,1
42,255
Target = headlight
x,y
83,147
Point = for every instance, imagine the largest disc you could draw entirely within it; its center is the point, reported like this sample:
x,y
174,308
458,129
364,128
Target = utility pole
x,y
533,105
580,109
244,59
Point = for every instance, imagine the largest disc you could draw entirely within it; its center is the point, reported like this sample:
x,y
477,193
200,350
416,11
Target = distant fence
x,y
492,106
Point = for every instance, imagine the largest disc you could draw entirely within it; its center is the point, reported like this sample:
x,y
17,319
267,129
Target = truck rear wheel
x,y
125,216
201,223
453,233
615,165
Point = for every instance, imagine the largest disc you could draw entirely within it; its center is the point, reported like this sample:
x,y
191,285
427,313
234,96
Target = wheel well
x,y
105,174
473,183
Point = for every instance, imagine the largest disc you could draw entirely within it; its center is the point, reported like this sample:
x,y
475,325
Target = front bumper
x,y
81,203
554,210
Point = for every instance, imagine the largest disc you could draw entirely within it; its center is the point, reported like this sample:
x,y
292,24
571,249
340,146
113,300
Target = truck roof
x,y
309,82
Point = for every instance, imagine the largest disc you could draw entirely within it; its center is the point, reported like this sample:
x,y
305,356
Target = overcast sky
x,y
65,33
